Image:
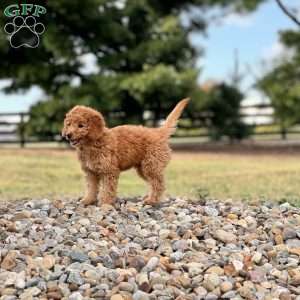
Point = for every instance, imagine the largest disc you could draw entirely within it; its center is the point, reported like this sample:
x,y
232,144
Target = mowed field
x,y
56,174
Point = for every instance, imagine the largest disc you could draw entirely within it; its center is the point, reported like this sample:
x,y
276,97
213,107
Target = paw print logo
x,y
24,32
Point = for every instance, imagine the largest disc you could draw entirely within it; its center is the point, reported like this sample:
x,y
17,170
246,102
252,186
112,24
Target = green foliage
x,y
46,119
282,84
224,102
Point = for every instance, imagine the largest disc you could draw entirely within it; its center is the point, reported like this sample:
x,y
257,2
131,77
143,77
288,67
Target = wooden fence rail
x,y
13,125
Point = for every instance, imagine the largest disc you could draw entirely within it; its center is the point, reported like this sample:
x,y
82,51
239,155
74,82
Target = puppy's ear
x,y
97,122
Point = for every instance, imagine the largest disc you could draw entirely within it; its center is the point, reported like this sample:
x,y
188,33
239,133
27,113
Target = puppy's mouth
x,y
74,142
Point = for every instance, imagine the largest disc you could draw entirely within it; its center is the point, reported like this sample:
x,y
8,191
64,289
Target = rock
x,y
232,216
293,243
74,277
117,297
138,262
9,261
143,282
48,262
295,251
78,256
246,293
278,239
164,233
151,264
225,237
256,258
238,265
8,291
210,211
84,222
211,281
30,292
56,295
58,204
285,296
284,206
126,286
201,292
229,295
257,276
20,280
226,286
216,270
185,250
139,295
289,233
180,245
92,276
176,256
10,278
76,296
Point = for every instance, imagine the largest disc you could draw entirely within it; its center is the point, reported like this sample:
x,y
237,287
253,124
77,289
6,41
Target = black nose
x,y
69,136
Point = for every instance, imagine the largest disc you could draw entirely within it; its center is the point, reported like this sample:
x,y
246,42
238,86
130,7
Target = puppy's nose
x,y
69,136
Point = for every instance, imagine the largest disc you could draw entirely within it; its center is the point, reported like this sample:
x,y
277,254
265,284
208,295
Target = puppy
x,y
105,152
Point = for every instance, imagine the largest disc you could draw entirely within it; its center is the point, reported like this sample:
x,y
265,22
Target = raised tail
x,y
171,121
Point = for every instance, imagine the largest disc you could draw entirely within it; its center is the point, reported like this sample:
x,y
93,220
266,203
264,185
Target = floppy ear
x,y
97,123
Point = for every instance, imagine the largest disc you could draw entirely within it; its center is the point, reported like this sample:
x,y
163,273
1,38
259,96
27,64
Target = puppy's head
x,y
83,125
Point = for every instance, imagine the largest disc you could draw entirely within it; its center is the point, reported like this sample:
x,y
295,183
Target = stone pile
x,y
182,249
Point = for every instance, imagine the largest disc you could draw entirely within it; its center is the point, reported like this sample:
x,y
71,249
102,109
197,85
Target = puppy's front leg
x,y
109,188
91,190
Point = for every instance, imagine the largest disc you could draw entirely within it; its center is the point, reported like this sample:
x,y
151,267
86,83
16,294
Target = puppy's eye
x,y
80,125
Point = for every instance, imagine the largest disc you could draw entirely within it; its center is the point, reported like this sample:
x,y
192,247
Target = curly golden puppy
x,y
105,152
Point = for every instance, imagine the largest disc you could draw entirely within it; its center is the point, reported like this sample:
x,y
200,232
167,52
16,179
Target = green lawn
x,y
51,173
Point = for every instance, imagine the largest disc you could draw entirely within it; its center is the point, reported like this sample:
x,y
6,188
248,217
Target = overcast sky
x,y
255,36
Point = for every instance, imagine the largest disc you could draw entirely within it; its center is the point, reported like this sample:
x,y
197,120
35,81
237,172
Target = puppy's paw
x,y
88,201
105,207
107,201
150,201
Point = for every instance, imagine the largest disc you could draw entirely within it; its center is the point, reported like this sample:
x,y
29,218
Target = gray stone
x,y
139,295
176,256
78,256
289,233
211,296
210,211
151,264
229,295
76,296
180,245
75,277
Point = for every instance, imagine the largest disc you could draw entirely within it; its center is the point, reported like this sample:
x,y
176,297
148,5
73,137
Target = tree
x,y
223,102
141,48
282,84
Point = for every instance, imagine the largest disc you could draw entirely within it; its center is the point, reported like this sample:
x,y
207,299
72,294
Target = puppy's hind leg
x,y
92,189
157,189
155,179
152,170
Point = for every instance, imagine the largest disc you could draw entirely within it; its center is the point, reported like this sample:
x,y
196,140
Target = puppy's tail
x,y
169,126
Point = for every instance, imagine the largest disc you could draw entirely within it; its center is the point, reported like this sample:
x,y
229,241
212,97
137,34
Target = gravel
x,y
183,249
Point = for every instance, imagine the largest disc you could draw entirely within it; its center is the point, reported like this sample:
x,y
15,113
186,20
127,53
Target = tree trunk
x,y
283,133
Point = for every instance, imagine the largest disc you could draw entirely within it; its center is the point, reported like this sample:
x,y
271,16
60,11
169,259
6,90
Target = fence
x,y
260,117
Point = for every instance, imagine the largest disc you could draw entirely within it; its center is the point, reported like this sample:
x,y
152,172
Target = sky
x,y
254,37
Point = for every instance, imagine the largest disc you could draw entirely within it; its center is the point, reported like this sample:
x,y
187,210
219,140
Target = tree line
x,y
143,60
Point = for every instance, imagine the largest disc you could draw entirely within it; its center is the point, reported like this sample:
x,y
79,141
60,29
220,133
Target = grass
x,y
53,173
